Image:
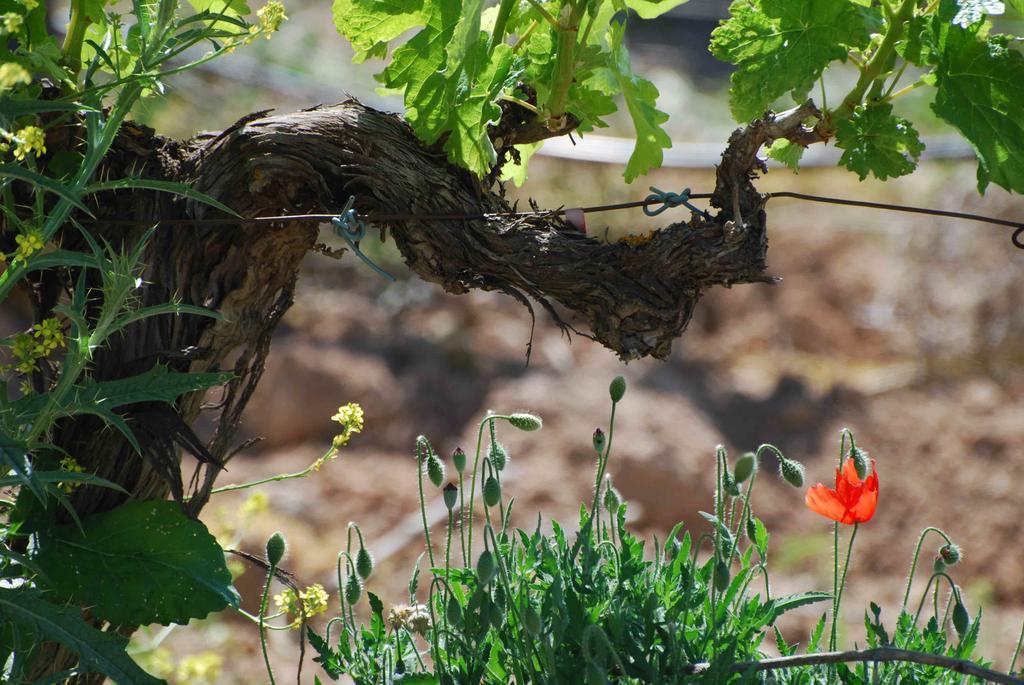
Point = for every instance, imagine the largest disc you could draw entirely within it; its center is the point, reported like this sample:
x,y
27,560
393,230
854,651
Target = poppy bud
x,y
599,441
453,612
450,494
617,388
498,455
492,491
612,499
526,422
364,563
729,485
745,466
531,620
792,472
721,577
275,548
961,621
950,554
459,459
353,589
485,567
860,462
435,469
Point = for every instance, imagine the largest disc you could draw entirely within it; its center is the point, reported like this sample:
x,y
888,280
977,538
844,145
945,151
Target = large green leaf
x,y
876,141
651,9
783,46
142,562
980,91
368,23
99,651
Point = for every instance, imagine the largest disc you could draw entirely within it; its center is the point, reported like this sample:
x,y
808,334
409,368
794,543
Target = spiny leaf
x,y
876,141
783,46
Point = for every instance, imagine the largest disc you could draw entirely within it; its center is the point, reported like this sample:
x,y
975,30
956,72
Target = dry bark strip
x,y
635,300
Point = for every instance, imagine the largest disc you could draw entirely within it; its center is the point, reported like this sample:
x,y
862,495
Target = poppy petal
x,y
864,509
824,501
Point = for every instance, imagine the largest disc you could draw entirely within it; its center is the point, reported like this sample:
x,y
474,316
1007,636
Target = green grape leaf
x,y
142,562
786,152
464,36
640,96
783,46
371,23
876,141
971,11
980,91
516,172
651,9
98,650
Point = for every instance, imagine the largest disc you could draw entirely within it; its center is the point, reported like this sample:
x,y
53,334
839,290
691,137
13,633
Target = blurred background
x,y
909,330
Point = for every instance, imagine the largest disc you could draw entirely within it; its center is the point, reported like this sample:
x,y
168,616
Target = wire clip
x,y
670,200
351,228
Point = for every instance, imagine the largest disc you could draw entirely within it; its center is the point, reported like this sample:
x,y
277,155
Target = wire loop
x,y
350,227
669,200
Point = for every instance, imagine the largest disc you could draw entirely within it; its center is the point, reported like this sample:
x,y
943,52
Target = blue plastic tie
x,y
669,200
351,228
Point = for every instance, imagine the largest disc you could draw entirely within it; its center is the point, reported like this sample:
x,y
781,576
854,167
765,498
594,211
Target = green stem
x,y
501,21
545,15
263,633
565,68
262,481
421,457
839,588
917,554
72,47
602,463
876,66
1016,651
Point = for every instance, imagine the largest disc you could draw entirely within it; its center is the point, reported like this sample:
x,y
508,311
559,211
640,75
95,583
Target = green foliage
x,y
142,562
466,62
876,141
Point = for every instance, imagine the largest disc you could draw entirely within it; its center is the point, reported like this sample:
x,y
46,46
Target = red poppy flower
x,y
853,501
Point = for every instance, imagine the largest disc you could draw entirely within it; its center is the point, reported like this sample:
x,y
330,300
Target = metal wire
x,y
1017,237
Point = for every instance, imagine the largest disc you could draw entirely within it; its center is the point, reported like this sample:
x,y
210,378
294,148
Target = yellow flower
x,y
71,466
200,668
12,22
350,417
30,4
50,335
28,244
12,74
311,601
270,16
30,139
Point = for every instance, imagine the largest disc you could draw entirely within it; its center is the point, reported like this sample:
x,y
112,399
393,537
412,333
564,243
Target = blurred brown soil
x,y
907,330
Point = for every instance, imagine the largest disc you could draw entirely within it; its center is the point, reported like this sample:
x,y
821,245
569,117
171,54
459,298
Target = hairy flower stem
x,y
917,554
1016,650
467,516
263,633
421,458
838,589
602,463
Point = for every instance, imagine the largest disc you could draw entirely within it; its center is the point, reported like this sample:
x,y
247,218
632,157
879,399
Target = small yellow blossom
x,y
26,387
49,334
30,139
71,466
30,4
157,662
200,668
13,74
28,244
256,503
311,601
270,17
12,22
235,567
350,417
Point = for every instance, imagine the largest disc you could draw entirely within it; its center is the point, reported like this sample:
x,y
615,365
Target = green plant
x,y
597,607
143,561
